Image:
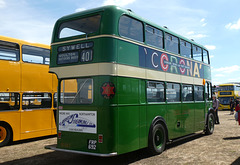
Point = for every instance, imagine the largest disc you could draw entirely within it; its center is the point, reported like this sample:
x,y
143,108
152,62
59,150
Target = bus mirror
x,y
204,81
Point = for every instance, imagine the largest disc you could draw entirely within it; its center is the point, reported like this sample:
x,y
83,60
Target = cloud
x,y
228,69
233,26
219,75
193,35
211,56
118,2
210,47
80,9
2,3
203,22
25,26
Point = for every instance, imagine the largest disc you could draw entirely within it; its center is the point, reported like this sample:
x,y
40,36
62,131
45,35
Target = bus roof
x,y
228,84
121,11
22,42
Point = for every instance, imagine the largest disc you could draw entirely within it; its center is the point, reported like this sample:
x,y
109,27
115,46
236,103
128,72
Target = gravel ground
x,y
220,148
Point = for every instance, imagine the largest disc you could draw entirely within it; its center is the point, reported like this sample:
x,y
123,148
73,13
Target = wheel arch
x,y
9,126
159,120
210,110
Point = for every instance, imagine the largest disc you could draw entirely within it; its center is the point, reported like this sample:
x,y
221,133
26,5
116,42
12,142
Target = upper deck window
x,y
35,54
80,26
9,51
131,28
171,43
206,57
197,53
185,49
154,36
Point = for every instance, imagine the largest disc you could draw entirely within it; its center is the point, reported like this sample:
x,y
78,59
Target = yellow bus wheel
x,y
5,134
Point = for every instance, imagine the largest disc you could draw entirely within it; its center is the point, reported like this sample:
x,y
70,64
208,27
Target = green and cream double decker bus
x,y
134,84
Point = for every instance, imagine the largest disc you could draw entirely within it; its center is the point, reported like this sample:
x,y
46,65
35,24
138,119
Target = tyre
x,y
210,124
157,139
5,134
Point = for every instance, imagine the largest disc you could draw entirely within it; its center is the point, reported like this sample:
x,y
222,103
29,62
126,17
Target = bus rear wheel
x,y
210,124
157,139
5,134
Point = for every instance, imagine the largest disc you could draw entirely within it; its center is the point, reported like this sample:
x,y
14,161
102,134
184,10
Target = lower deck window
x,y
173,92
198,93
9,101
155,92
37,100
76,91
187,92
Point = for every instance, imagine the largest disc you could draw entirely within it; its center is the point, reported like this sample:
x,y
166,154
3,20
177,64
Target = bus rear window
x,y
76,91
79,27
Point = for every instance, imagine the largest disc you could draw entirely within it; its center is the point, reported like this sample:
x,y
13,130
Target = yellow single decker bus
x,y
226,92
27,91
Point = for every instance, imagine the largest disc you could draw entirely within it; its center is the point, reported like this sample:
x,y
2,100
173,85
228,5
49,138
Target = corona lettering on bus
x,y
137,85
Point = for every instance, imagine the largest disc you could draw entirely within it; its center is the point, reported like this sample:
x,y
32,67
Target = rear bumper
x,y
53,147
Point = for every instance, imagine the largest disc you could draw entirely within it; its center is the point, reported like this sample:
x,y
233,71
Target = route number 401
x,y
86,55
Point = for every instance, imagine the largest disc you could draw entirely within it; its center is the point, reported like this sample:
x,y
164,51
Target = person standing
x,y
215,107
231,106
237,109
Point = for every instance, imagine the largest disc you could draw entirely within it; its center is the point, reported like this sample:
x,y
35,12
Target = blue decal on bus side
x,y
157,60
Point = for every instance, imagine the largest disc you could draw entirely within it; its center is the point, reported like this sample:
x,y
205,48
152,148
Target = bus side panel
x,y
129,114
36,123
199,116
154,110
13,119
174,120
143,137
107,112
8,77
188,117
54,121
32,78
128,129
128,53
143,115
105,50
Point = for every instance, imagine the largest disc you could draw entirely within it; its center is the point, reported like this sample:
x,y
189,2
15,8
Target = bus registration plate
x,y
92,144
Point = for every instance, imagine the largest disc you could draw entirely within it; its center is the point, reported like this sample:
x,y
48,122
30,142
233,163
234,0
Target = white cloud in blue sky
x,y
80,9
118,2
204,21
2,4
233,26
210,47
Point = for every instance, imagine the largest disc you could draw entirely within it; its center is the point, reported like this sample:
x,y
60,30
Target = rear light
x,y
59,135
100,138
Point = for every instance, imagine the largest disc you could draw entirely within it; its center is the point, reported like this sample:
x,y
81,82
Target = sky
x,y
212,23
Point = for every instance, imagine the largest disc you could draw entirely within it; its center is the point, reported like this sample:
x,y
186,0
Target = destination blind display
x,y
74,53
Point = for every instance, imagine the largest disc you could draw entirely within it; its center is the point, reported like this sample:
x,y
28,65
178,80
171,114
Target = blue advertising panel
x,y
157,60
